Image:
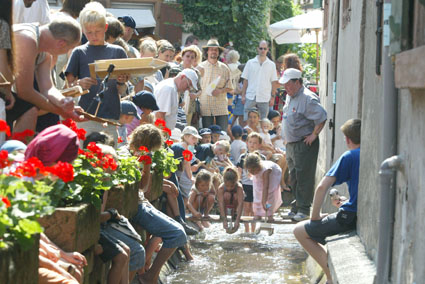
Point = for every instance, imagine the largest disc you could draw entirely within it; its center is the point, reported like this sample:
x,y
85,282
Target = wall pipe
x,y
388,145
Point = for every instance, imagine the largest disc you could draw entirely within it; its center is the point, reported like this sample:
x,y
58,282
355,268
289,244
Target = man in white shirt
x,y
260,82
31,11
167,95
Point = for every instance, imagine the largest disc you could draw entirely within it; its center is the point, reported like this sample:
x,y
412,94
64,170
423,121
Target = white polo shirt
x,y
167,99
260,78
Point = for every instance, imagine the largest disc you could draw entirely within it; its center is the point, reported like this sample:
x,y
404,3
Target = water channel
x,y
243,258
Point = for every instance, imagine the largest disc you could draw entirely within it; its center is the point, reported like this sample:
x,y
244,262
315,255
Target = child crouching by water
x,y
230,197
266,185
202,197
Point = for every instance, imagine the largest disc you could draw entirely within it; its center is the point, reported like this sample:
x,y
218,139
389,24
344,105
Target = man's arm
x,y
275,85
316,131
244,87
319,196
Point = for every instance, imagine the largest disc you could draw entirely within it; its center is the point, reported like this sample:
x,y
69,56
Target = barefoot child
x,y
230,196
202,197
254,141
266,185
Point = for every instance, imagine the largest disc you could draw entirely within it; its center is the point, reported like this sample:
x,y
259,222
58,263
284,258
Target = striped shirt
x,y
214,105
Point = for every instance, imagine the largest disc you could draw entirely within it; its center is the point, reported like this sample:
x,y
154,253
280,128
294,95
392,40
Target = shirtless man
x,y
35,46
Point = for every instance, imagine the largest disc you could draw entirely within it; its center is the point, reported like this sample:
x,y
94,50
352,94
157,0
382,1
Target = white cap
x,y
191,131
176,134
192,76
289,74
224,137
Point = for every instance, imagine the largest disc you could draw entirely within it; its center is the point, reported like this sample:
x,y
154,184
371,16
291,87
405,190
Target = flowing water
x,y
243,258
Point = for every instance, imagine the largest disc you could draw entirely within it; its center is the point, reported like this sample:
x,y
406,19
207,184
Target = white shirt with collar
x,y
260,78
167,99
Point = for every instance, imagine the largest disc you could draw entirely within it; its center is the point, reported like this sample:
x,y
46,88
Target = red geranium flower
x,y
64,171
29,167
92,147
160,123
169,143
81,133
143,149
167,130
187,155
4,127
108,162
6,201
22,136
120,139
145,159
4,159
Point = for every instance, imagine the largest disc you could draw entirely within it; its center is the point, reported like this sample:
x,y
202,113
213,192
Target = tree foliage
x,y
242,22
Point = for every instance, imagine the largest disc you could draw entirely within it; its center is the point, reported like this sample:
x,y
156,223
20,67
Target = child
x,y
206,135
275,133
190,138
230,197
266,185
146,102
128,113
202,198
216,131
221,151
93,21
254,141
237,147
266,126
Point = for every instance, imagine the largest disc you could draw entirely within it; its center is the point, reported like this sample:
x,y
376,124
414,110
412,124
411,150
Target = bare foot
x,y
199,224
206,224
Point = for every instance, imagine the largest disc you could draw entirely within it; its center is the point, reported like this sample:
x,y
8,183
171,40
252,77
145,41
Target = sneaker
x,y
290,215
190,231
300,217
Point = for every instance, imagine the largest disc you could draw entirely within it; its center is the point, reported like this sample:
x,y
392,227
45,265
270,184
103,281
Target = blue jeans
x,y
137,252
263,108
160,225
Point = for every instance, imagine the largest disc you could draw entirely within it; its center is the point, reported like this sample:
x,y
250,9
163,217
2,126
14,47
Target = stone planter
x,y
73,228
124,198
19,266
156,187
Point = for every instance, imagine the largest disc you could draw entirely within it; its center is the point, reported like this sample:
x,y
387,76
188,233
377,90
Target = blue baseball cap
x,y
129,22
145,99
129,108
215,128
13,145
237,130
204,131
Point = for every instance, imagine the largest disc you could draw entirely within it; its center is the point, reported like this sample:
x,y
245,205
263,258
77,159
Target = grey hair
x,y
65,28
233,56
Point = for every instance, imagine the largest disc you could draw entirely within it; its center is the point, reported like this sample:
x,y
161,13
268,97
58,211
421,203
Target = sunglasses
x,y
262,48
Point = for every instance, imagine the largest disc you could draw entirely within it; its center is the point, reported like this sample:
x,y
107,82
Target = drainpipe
x,y
388,145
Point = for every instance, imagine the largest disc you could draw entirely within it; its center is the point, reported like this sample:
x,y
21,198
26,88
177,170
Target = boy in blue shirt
x,y
311,234
93,22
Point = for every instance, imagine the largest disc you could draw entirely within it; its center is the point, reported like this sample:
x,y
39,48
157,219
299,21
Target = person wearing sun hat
x,y
303,119
215,76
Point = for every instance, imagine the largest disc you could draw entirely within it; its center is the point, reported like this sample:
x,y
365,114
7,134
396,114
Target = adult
x,y
130,29
166,53
303,119
191,40
31,11
167,95
6,59
214,98
312,233
36,45
260,82
191,57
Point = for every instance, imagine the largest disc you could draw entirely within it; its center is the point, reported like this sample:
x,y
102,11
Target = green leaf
x,y
30,227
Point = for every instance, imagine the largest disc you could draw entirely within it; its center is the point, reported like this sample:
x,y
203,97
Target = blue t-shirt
x,y
78,66
346,169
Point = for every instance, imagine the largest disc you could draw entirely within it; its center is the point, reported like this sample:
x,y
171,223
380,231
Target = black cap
x,y
145,99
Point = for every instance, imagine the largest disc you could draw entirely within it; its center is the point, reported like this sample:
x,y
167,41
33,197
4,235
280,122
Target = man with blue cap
x,y
130,29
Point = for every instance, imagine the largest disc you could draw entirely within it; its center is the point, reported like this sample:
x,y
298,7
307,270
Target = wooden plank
x,y
409,68
244,219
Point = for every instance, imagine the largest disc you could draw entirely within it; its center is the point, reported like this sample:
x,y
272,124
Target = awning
x,y
143,17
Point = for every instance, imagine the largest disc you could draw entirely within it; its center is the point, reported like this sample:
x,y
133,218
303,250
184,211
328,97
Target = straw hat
x,y
212,43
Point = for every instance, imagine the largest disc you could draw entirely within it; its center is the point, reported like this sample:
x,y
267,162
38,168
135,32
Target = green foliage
x,y
242,22
128,170
307,53
163,162
28,202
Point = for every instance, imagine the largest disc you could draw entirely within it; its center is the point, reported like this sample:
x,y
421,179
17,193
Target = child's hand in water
x,y
197,215
225,225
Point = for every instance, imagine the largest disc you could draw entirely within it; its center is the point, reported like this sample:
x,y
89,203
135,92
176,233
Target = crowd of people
x,y
224,117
